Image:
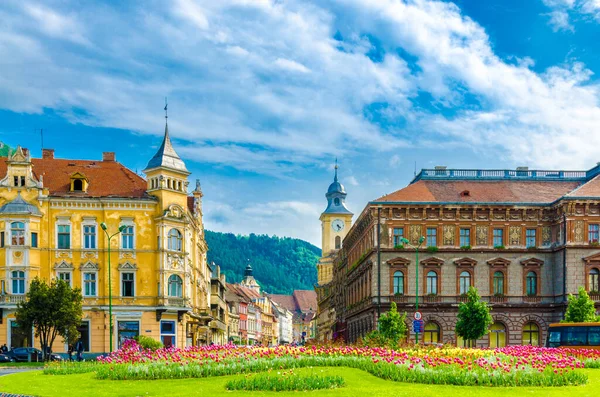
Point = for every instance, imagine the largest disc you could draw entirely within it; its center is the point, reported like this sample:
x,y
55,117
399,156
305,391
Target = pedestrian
x,y
79,350
4,349
70,352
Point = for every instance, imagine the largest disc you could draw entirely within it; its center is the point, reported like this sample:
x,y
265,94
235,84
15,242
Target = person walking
x,y
79,350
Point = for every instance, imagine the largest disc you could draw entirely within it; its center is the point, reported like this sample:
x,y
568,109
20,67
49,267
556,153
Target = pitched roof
x,y
589,189
166,156
286,301
514,191
106,178
306,300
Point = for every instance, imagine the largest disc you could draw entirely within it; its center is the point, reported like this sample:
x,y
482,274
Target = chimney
x,y
440,167
109,156
47,153
522,168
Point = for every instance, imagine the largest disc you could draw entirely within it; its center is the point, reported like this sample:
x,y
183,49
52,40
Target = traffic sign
x,y
418,326
418,316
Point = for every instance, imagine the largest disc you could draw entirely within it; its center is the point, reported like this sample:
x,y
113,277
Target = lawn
x,y
358,383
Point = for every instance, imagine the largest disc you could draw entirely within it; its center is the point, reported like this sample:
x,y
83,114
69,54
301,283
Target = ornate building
x,y
52,215
336,220
525,239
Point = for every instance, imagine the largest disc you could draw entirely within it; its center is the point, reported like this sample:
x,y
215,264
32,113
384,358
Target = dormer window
x,y
336,202
19,181
465,193
79,183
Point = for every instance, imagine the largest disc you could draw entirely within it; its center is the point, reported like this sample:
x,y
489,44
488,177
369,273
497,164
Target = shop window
x,y
497,335
168,333
127,330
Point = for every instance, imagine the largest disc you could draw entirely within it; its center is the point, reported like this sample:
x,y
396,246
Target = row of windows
x,y
497,235
90,235
465,281
465,237
90,284
497,336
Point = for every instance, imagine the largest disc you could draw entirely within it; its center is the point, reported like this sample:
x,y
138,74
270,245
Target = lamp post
x,y
405,241
110,319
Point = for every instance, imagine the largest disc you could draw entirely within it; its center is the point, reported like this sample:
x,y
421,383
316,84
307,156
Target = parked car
x,y
5,359
23,354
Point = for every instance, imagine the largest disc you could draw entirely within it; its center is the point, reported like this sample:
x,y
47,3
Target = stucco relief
x,y
449,235
579,231
514,235
415,234
482,235
546,235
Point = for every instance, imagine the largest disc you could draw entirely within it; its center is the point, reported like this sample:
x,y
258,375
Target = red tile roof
x,y
306,300
484,191
589,189
106,178
286,301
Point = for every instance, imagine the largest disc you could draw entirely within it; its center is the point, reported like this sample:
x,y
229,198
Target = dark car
x,y
5,359
24,353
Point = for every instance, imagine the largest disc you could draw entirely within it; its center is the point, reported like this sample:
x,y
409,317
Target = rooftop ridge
x,y
443,173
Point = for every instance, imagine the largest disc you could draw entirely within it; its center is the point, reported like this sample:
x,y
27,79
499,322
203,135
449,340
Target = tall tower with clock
x,y
335,223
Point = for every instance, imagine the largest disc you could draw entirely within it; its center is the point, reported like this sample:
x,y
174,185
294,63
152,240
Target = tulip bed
x,y
509,366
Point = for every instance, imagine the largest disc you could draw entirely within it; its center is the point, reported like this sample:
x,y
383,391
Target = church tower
x,y
335,223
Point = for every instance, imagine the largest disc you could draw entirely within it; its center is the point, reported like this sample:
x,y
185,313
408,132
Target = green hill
x,y
280,264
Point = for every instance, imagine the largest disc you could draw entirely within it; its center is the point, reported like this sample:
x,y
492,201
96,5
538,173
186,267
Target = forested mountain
x,y
280,264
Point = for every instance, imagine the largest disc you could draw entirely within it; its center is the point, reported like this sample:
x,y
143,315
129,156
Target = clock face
x,y
338,225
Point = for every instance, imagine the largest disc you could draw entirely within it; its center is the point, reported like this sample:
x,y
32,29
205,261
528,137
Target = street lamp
x,y
110,321
405,241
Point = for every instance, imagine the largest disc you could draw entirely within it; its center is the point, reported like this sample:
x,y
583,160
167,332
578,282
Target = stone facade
x,y
506,233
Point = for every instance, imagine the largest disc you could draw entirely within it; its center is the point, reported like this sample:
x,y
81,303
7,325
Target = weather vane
x,y
166,105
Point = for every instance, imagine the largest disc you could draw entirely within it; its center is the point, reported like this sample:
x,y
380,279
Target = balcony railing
x,y
444,173
13,299
173,302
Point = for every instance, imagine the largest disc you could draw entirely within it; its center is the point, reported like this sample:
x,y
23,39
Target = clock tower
x,y
335,223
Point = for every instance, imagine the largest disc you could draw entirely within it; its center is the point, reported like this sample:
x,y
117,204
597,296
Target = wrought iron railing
x,y
445,173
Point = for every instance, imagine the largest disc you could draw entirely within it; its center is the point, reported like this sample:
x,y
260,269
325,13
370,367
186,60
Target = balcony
x,y
450,300
172,302
12,299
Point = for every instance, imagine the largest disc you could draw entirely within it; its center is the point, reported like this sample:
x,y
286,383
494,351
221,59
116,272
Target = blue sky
x,y
265,94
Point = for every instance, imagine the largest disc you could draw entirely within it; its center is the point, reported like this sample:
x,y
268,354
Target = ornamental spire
x,y
335,179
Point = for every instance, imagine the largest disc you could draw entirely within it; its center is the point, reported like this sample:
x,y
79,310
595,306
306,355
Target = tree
x,y
474,317
51,310
580,309
392,326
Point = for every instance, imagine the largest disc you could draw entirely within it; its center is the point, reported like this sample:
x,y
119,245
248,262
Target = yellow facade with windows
x,y
51,217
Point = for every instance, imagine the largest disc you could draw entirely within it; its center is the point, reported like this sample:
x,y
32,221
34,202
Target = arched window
x,y
531,334
464,282
531,283
18,282
175,286
594,280
398,283
17,233
432,283
174,240
338,242
77,185
497,335
431,333
336,201
498,282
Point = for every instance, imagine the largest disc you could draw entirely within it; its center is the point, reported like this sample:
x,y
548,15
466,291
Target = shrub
x,y
499,247
147,342
399,246
465,247
432,249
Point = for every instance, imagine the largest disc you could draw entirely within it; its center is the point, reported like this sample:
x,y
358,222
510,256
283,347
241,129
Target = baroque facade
x,y
524,238
52,218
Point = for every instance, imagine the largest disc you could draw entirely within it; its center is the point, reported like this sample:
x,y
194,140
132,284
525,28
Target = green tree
x,y
474,318
392,326
580,309
51,310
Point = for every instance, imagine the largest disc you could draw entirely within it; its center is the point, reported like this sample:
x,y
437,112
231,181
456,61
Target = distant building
x,y
302,304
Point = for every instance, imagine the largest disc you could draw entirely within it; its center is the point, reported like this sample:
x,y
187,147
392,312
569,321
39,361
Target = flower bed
x,y
285,381
509,366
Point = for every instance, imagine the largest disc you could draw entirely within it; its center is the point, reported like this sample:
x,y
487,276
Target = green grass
x,y
358,384
21,365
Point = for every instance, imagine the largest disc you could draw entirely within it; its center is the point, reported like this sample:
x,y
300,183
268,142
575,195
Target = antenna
x,y
415,167
41,135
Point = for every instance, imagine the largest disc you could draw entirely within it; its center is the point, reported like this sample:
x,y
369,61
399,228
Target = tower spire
x,y
335,178
166,114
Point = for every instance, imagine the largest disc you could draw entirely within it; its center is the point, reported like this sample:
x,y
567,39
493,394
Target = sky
x,y
264,95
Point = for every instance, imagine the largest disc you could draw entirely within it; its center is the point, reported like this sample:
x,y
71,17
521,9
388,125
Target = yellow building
x,y
336,220
52,213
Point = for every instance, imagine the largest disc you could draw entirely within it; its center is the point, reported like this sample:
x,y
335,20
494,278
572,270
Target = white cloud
x,y
291,65
563,10
352,180
559,20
